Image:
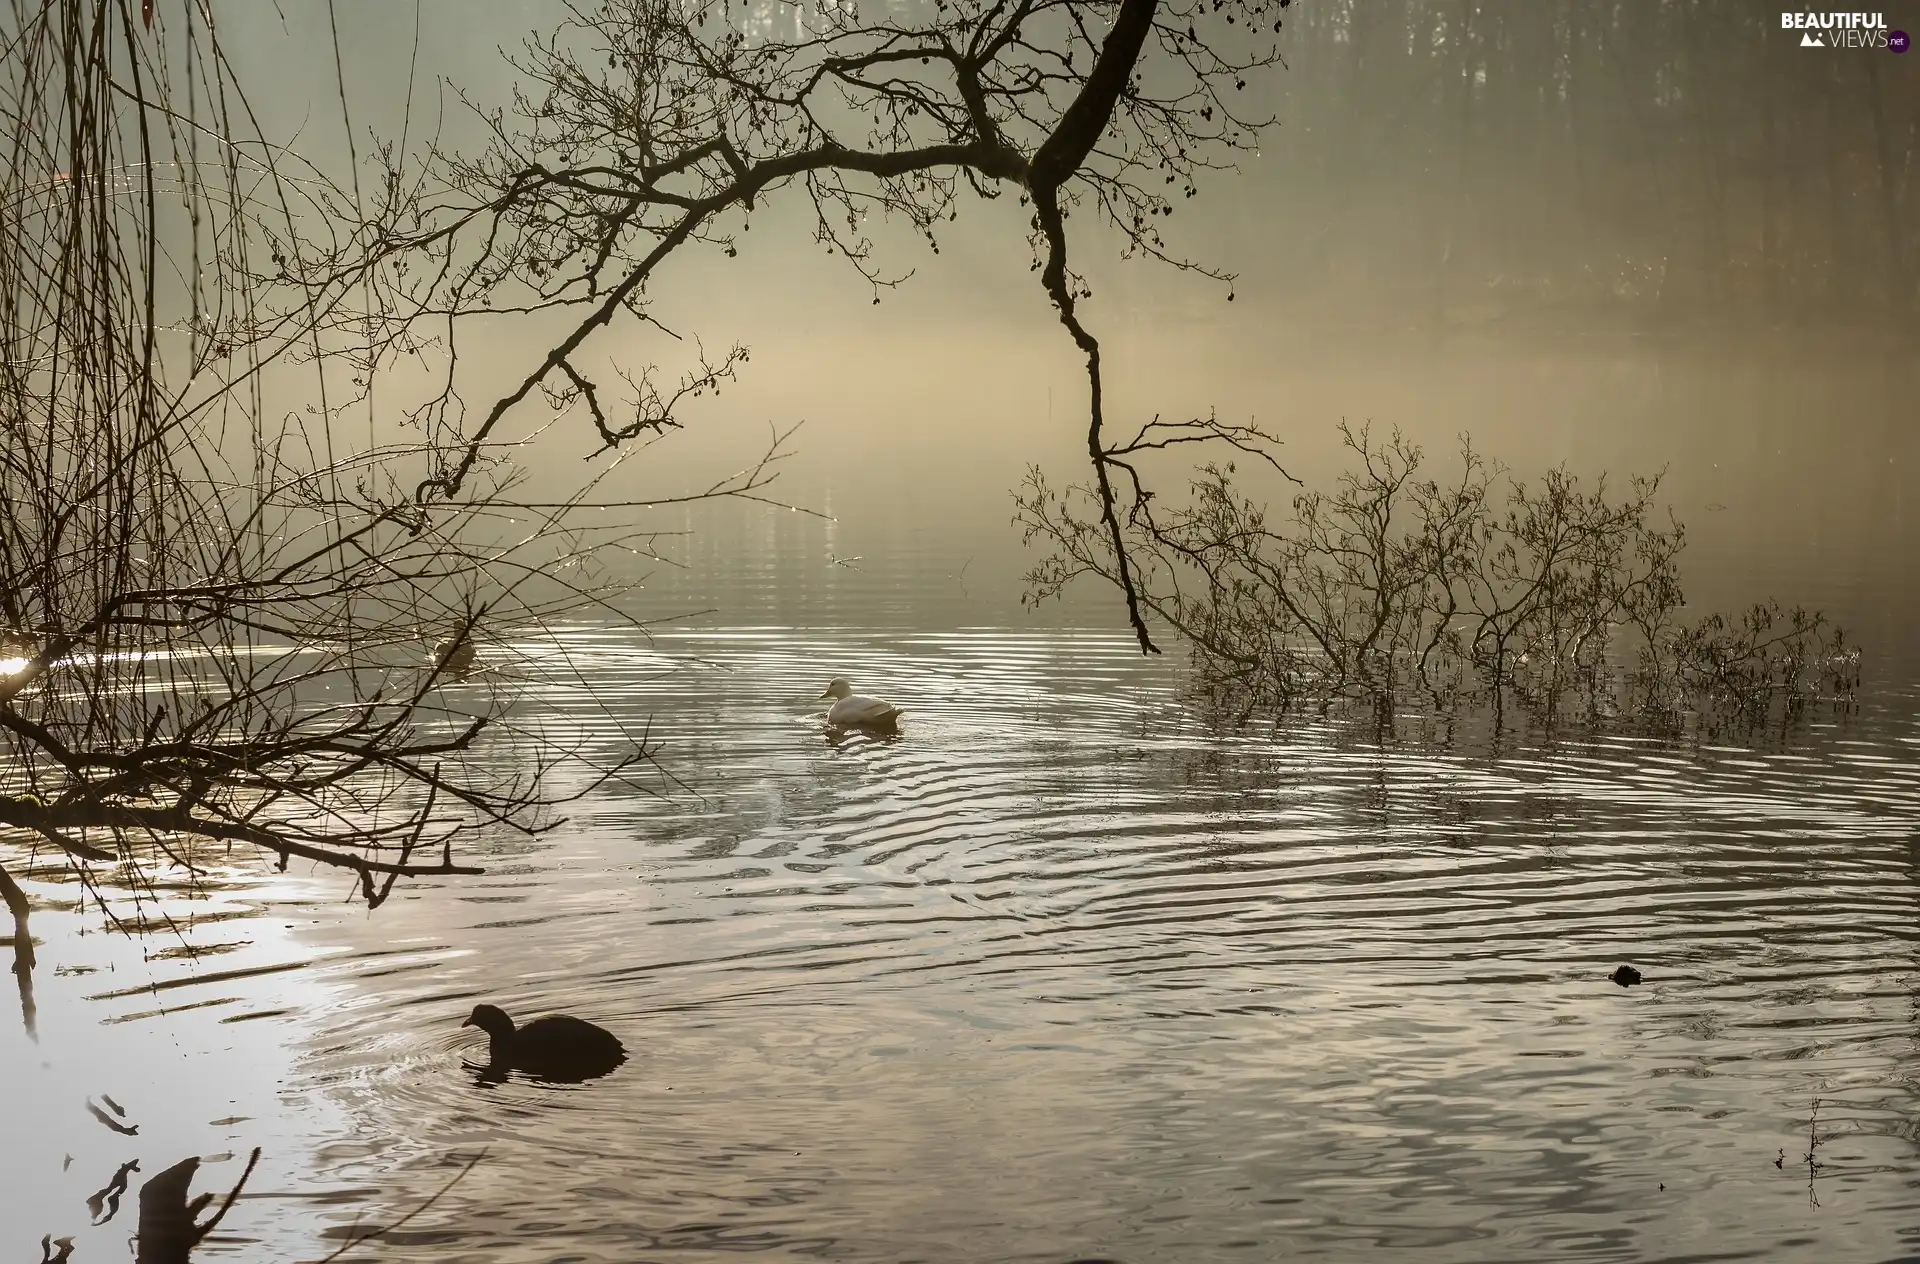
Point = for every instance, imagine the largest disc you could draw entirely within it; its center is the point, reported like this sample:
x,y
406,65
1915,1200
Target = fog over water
x,y
1068,971
921,413
1782,429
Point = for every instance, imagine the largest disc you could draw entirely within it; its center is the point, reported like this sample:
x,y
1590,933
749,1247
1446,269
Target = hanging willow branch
x,y
217,584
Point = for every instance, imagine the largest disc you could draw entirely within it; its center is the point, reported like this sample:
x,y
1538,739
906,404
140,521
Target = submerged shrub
x,y
1395,588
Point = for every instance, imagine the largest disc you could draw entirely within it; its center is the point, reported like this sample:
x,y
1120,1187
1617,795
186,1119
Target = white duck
x,y
850,710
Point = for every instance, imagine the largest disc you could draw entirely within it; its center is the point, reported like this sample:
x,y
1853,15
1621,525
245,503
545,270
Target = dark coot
x,y
1625,976
557,1047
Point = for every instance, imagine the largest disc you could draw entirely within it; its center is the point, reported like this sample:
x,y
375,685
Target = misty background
x,y
1626,237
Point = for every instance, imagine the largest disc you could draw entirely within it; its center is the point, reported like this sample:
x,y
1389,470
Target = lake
x,y
1063,972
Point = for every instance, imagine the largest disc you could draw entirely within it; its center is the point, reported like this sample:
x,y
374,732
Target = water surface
x,y
1060,973
1065,972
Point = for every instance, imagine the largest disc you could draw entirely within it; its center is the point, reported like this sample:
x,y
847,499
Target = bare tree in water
x,y
1399,589
236,610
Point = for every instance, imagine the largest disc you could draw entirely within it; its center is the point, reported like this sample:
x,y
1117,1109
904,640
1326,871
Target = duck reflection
x,y
838,737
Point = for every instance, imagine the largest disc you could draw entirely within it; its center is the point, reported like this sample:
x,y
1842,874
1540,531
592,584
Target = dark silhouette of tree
x,y
641,130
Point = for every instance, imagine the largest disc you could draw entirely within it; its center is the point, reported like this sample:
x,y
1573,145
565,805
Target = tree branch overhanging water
x,y
643,131
218,616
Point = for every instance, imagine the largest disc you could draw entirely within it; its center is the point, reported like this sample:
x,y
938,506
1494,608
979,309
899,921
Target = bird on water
x,y
557,1047
454,655
852,710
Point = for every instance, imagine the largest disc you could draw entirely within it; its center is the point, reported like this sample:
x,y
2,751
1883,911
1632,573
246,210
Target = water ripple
x,y
1062,973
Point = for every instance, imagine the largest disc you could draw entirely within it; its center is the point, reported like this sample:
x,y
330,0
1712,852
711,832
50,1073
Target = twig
x,y
402,1221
